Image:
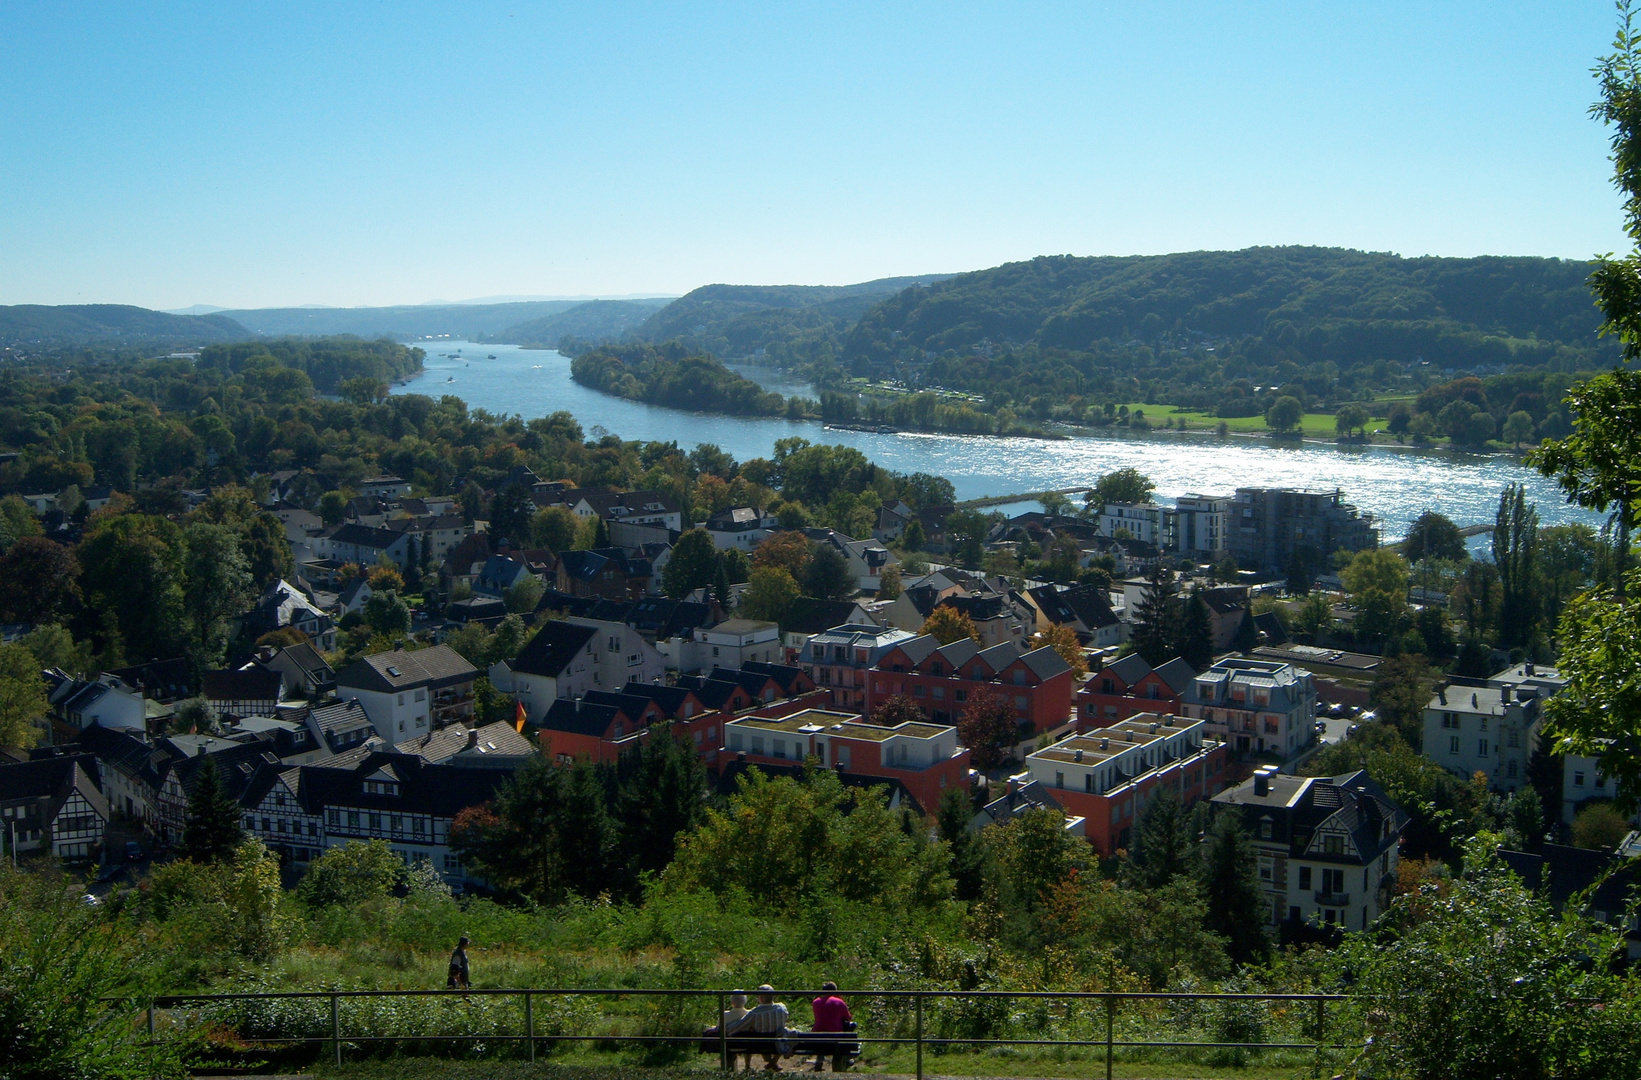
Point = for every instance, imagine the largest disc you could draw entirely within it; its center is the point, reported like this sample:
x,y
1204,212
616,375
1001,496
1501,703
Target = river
x,y
1394,484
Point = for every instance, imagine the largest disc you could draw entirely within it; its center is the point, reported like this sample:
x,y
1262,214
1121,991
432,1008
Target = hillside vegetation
x,y
668,375
41,327
789,324
472,321
594,321
1226,330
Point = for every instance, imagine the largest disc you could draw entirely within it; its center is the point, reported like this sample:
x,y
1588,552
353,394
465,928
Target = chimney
x,y
1262,784
1475,701
472,738
1079,756
1529,668
1504,693
1441,693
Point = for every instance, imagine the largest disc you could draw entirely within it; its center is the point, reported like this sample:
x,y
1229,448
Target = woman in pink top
x,y
830,1015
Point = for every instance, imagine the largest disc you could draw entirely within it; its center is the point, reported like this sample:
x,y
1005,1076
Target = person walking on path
x,y
831,1014
458,977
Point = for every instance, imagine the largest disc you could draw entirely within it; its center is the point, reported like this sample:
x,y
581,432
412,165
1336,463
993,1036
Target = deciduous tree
x,y
946,624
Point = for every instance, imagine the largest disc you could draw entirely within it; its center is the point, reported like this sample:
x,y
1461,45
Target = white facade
x,y
1487,729
1256,706
732,643
1141,521
1196,525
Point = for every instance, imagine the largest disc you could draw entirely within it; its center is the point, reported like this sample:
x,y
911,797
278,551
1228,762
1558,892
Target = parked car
x,y
1321,727
1368,717
133,851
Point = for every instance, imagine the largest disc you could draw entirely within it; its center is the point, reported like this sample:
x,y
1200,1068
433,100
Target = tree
x,y
1377,583
1599,827
1196,638
1315,617
693,564
133,572
952,820
1401,689
1026,859
355,873
39,580
522,598
770,594
54,647
1350,418
987,727
1434,536
660,796
828,575
1063,640
511,512
966,532
217,586
1237,908
946,624
333,507
788,550
386,576
1515,547
210,832
898,709
888,582
386,613
913,538
1164,843
22,697
1157,623
554,528
1285,414
1127,486
1518,428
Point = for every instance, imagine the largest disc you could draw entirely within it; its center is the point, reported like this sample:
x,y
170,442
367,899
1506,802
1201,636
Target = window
x,y
353,819
416,826
779,746
1481,747
918,690
1305,877
401,699
1059,779
1266,868
1333,881
1578,779
1021,701
757,744
1333,845
1450,720
1264,830
1453,744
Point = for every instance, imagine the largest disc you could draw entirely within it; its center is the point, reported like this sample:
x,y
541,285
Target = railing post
x,y
530,1025
1321,1020
917,1000
723,1034
336,1030
1110,1024
153,1065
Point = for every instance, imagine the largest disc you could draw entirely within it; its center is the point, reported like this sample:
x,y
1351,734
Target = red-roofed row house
x,y
941,678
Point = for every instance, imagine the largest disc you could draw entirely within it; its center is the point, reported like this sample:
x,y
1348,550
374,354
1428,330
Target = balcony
x,y
1329,899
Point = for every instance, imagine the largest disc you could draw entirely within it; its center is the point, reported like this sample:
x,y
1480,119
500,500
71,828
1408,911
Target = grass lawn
x,y
1314,426
964,1066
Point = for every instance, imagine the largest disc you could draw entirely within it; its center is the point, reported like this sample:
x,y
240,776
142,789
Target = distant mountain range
x,y
37,326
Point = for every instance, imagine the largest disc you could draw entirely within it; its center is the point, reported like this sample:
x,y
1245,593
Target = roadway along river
x,y
1394,484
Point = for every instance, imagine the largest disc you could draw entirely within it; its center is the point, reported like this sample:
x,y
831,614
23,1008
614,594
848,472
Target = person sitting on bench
x,y
767,1021
729,1023
831,1014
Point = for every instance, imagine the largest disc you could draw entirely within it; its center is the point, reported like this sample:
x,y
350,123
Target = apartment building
x,y
923,758
1108,777
1130,686
408,694
1256,706
1266,526
839,659
1037,683
1484,729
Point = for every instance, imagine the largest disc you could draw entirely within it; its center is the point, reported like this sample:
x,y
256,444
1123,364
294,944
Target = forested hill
x,y
402,322
41,327
1265,314
783,323
595,321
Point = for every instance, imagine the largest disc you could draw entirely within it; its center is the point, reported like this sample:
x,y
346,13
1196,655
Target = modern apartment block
x,y
1036,683
1327,845
839,659
1257,706
1266,526
1196,525
923,758
1141,521
1108,777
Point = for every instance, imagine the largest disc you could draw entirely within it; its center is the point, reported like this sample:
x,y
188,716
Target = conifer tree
x,y
1196,642
1163,843
1156,632
1230,885
210,832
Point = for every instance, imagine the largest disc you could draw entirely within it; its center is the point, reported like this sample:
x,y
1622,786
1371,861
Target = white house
x,y
407,694
730,644
569,657
1487,729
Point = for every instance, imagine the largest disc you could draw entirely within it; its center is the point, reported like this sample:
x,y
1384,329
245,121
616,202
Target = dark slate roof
x,y
162,680
399,670
365,536
979,608
713,693
1298,805
308,660
1130,669
813,615
1177,674
583,565
54,778
251,683
341,717
669,698
997,657
552,648
1268,624
475,607
438,790
785,676
734,519
1087,604
579,717
1559,872
554,600
1045,662
115,747
1224,601
960,652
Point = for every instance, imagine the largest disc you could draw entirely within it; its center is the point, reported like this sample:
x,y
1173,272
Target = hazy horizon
x,y
344,158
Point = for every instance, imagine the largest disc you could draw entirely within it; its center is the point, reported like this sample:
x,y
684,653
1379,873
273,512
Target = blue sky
x,y
248,154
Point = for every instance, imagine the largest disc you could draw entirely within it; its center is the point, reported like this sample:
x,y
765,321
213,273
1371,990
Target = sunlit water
x,y
1394,484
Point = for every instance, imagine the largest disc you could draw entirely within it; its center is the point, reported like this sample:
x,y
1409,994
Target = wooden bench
x,y
794,1043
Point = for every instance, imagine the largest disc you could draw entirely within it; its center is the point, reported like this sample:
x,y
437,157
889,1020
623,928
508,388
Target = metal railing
x,y
918,1038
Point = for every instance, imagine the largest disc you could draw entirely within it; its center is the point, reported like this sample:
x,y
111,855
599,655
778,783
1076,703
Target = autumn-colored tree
x,y
787,551
988,728
946,624
1063,640
898,709
387,577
